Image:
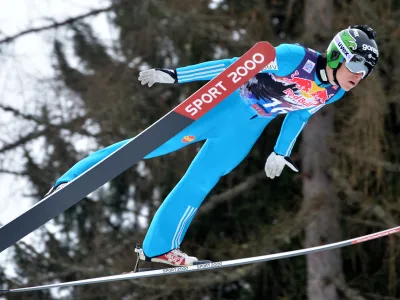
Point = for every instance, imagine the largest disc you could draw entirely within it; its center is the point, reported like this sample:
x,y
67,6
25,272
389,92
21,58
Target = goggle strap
x,y
342,48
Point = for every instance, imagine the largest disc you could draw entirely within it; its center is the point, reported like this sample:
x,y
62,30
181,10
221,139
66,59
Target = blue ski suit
x,y
289,85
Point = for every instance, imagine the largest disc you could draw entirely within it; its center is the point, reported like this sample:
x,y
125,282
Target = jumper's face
x,y
347,79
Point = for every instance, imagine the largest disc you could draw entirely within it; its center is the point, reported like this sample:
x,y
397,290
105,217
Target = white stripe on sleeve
x,y
196,77
201,73
294,139
201,69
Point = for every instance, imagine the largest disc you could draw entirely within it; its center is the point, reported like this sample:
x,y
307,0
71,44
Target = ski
x,y
213,92
212,265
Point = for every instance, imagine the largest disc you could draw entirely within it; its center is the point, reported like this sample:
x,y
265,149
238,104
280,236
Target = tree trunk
x,y
320,200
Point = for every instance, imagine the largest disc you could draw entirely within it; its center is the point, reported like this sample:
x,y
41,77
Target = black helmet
x,y
356,47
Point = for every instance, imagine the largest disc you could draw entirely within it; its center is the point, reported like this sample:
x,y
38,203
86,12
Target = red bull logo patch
x,y
307,102
313,94
321,96
303,84
188,139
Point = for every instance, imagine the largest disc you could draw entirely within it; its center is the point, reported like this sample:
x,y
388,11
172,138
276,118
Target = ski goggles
x,y
357,64
354,62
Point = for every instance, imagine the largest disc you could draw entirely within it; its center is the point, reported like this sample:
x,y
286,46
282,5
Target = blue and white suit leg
x,y
228,141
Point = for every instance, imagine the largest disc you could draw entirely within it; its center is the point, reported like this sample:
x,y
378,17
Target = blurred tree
x,y
320,200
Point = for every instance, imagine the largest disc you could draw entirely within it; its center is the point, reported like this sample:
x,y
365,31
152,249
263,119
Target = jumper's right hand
x,y
152,76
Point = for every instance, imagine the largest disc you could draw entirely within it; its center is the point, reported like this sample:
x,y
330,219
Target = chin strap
x,y
334,75
321,74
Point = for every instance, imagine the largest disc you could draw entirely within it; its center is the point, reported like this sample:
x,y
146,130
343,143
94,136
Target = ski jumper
x,y
229,131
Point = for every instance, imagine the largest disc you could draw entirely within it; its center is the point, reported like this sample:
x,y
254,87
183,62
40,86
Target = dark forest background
x,y
348,155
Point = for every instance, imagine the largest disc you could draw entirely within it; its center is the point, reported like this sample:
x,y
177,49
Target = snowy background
x,y
23,63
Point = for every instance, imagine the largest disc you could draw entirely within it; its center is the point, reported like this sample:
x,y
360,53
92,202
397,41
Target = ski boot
x,y
53,189
175,258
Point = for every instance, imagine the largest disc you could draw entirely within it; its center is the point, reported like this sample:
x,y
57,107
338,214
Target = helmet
x,y
356,47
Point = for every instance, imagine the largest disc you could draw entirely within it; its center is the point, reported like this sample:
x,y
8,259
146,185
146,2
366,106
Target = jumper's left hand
x,y
275,164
